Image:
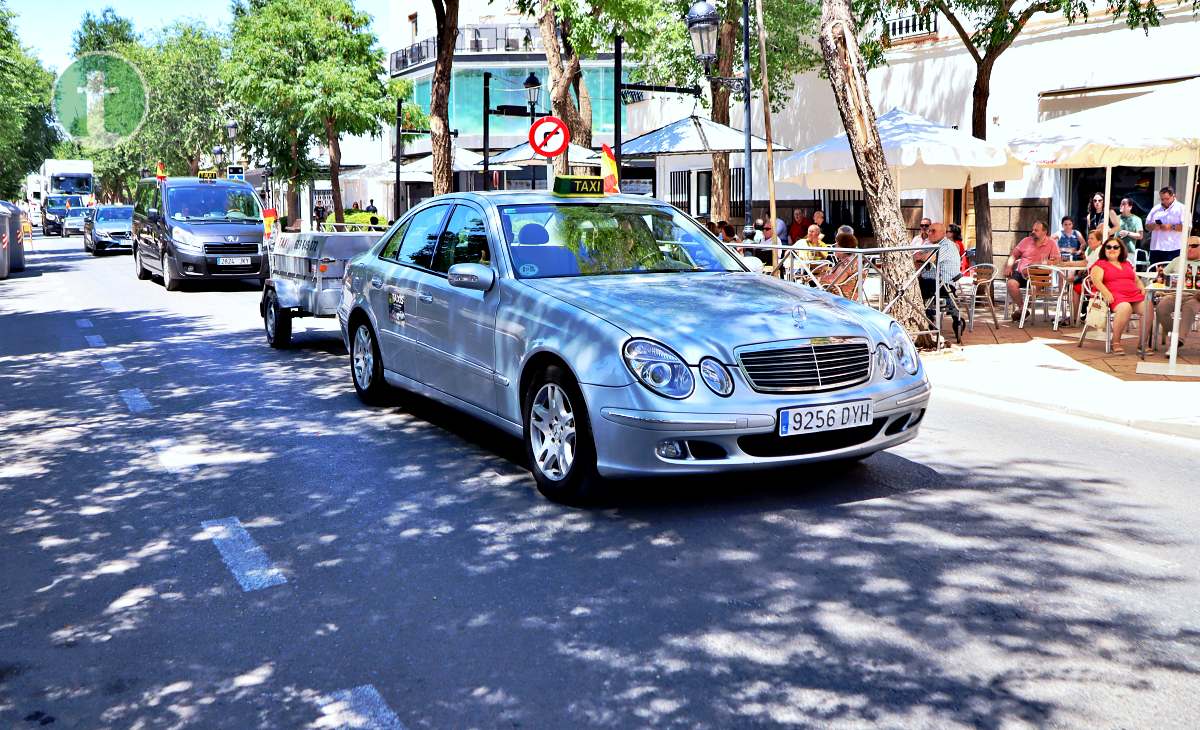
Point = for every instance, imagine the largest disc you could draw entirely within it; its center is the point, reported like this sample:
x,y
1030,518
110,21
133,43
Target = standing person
x,y
800,223
781,230
1129,226
318,215
1165,310
1070,243
1122,290
922,237
1165,224
371,206
954,233
1036,248
1095,216
825,226
948,267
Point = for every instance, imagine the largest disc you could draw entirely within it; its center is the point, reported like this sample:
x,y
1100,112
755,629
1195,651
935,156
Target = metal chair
x,y
1141,258
1043,285
1089,291
977,286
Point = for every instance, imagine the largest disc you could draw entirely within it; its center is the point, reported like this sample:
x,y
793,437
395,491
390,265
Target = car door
x,y
392,287
460,337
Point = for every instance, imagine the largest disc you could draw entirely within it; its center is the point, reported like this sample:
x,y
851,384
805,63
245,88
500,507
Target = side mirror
x,y
753,263
152,215
472,276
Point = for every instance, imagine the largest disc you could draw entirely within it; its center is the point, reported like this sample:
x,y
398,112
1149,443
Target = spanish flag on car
x,y
608,170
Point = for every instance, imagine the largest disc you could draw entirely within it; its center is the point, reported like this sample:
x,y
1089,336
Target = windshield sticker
x,y
528,270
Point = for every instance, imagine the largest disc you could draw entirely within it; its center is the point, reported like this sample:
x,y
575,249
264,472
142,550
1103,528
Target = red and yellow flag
x,y
608,170
160,171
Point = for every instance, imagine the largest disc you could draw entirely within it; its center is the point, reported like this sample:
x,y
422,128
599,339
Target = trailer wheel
x,y
277,321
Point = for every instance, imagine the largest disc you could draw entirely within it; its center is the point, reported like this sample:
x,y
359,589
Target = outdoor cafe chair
x,y
977,286
1045,286
1141,259
1089,292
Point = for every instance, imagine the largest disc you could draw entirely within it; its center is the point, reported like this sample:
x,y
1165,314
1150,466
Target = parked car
x,y
187,228
616,337
74,221
110,228
55,211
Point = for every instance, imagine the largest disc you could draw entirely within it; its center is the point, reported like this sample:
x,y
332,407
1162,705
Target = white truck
x,y
61,177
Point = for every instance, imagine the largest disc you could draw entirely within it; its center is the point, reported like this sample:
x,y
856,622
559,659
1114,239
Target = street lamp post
x,y
218,154
268,171
231,129
533,89
703,20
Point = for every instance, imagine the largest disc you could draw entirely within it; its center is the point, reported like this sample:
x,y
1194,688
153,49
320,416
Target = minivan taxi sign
x,y
549,137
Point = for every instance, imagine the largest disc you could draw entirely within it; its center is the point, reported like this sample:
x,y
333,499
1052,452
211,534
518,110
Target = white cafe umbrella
x,y
523,154
921,154
692,136
386,172
464,160
1155,129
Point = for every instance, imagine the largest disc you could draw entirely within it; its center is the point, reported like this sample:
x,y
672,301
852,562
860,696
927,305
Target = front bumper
x,y
205,266
112,244
742,437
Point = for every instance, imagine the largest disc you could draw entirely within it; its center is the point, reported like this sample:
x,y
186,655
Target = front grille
x,y
251,269
118,234
230,249
772,444
815,366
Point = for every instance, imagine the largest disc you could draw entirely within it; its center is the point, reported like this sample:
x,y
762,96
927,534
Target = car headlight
x,y
659,369
51,217
902,347
885,362
716,377
101,234
186,241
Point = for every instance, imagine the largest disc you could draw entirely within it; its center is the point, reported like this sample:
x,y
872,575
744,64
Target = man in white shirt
x,y
1165,224
922,238
1165,310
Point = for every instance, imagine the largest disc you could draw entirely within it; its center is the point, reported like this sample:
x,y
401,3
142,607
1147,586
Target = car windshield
x,y
60,201
71,183
592,239
114,214
213,203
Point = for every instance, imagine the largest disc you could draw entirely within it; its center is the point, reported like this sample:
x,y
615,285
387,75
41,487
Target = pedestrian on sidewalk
x,y
1036,248
1165,310
1165,224
371,207
1114,277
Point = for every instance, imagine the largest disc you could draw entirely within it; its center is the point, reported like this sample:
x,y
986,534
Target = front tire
x,y
170,282
366,366
558,438
138,270
277,321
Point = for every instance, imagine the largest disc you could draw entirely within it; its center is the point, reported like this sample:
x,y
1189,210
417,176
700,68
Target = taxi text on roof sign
x,y
579,186
207,174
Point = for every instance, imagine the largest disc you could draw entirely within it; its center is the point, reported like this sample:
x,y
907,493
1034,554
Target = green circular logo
x,y
100,99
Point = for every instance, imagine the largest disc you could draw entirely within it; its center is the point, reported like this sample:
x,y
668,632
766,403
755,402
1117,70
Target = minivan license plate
x,y
809,419
233,261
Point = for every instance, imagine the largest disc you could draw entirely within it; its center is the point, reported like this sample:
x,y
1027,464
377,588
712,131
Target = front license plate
x,y
809,419
233,261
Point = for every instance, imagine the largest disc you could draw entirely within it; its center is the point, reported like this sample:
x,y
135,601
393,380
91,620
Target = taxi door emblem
x,y
799,316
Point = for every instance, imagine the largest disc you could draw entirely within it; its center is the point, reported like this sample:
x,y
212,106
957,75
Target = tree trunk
x,y
983,207
293,192
726,42
335,170
562,78
847,75
446,12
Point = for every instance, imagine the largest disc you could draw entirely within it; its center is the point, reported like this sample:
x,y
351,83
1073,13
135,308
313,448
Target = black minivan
x,y
197,228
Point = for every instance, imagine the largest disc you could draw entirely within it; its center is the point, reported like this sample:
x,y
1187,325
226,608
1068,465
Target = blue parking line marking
x,y
245,558
135,400
95,340
83,324
359,707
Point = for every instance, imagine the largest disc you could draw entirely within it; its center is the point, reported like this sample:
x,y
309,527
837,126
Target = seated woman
x,y
844,279
1122,290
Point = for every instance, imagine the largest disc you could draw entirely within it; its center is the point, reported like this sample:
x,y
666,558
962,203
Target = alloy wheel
x,y
552,431
364,357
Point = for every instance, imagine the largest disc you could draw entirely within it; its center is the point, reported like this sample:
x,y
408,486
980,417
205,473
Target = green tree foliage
x,y
27,134
104,32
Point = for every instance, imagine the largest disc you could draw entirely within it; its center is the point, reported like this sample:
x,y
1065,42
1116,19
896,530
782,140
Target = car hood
x,y
113,225
245,232
711,314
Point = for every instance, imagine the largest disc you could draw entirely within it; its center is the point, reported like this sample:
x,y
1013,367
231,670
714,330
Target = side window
x,y
156,200
421,238
392,246
139,200
465,240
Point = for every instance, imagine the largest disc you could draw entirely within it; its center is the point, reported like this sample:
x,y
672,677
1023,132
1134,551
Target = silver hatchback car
x,y
618,338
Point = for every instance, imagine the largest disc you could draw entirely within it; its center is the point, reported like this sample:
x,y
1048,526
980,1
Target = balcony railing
x,y
908,27
473,39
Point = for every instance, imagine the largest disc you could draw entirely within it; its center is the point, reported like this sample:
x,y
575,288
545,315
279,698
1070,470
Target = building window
x,y
681,190
704,192
412,26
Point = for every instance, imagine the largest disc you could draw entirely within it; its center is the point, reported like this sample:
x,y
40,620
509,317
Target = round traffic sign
x,y
549,137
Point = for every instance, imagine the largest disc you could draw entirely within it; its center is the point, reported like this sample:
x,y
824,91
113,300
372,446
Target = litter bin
x,y
16,237
6,241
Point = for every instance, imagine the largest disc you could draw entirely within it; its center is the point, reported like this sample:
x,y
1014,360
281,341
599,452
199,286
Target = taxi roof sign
x,y
207,174
579,186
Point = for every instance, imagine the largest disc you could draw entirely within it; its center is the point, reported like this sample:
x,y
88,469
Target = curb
x,y
1141,424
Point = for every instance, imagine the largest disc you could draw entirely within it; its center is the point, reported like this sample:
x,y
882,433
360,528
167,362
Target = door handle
x,y
427,298
377,282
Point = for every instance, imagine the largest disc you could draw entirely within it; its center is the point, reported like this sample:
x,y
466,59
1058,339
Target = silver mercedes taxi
x,y
616,338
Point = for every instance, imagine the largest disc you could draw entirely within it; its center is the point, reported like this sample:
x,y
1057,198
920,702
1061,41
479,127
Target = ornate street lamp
x,y
218,154
533,89
703,20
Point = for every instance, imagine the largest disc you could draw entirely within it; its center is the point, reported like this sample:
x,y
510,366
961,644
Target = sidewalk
x,y
1045,369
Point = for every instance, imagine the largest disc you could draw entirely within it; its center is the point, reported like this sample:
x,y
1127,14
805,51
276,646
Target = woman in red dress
x,y
1122,290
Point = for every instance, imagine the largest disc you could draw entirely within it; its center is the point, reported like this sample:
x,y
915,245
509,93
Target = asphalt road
x,y
1003,570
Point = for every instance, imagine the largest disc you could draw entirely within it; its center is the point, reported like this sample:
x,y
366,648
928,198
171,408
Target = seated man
x,y
1037,248
1165,309
948,269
